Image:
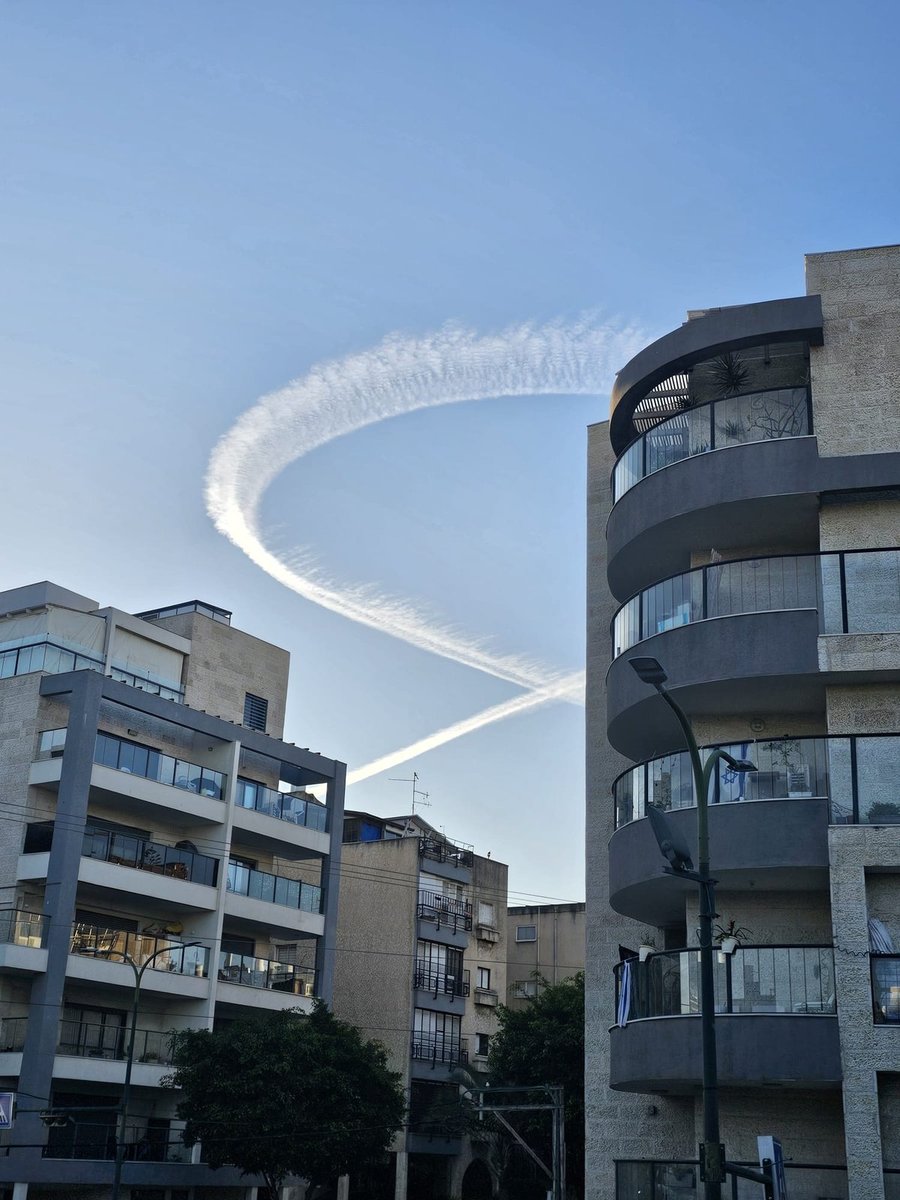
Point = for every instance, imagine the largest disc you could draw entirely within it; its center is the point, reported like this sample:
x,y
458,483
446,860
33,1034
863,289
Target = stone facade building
x,y
421,965
546,942
152,815
744,519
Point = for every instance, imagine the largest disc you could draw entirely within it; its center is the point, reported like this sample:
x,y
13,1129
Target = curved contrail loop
x,y
401,375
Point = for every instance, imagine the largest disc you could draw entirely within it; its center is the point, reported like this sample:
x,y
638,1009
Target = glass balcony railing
x,y
656,1179
45,656
135,759
284,806
445,910
97,1140
83,1039
156,687
115,944
12,1034
275,889
21,928
176,861
856,774
250,971
854,591
754,979
734,421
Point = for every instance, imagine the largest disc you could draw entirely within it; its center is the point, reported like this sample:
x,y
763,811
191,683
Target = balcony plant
x,y
647,946
730,935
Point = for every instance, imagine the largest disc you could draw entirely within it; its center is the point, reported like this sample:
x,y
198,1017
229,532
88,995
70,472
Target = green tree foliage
x,y
280,1094
544,1043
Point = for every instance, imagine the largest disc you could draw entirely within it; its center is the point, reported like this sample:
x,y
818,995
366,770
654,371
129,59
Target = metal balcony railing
x,y
850,772
854,591
80,1039
440,1050
274,889
439,982
97,1140
753,979
96,942
439,849
443,910
12,1034
129,851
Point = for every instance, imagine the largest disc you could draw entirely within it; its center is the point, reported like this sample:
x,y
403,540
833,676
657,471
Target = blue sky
x,y
201,201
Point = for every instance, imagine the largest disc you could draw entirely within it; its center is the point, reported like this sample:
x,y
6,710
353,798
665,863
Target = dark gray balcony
x,y
775,1020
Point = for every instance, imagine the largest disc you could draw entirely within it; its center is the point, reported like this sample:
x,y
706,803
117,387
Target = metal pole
x,y
712,1156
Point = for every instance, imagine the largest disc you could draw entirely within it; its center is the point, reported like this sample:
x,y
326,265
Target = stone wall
x,y
856,373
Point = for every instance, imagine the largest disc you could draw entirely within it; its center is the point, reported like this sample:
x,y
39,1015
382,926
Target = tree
x,y
544,1043
279,1094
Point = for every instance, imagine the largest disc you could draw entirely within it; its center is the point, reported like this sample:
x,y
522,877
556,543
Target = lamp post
x,y
712,1152
129,1055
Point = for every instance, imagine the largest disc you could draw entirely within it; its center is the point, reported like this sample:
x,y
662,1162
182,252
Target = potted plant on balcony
x,y
647,946
730,936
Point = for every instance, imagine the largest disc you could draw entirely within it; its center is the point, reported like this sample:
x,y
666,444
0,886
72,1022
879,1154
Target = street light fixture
x,y
712,1152
129,1056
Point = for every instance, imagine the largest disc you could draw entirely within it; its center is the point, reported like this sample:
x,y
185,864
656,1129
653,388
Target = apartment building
x,y
744,518
152,815
421,965
546,942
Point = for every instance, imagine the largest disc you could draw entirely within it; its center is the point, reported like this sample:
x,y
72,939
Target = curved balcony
x,y
775,1021
768,415
801,786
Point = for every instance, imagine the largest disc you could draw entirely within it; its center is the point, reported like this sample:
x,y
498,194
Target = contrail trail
x,y
401,375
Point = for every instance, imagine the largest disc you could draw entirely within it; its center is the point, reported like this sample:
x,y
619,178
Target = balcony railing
x,y
856,774
443,910
275,889
97,1140
734,421
854,591
45,656
78,1039
168,691
659,1179
439,849
12,1034
179,959
439,982
282,805
128,851
21,928
250,971
440,1050
754,979
135,759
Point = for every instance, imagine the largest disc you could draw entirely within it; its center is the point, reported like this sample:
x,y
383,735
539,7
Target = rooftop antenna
x,y
418,796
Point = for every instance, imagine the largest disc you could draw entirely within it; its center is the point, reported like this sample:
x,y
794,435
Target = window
x,y
256,710
485,914
523,988
484,978
482,1044
526,933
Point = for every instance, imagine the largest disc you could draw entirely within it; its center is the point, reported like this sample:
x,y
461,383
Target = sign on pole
x,y
770,1148
7,1103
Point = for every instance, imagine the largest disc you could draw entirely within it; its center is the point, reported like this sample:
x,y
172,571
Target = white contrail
x,y
399,376
569,688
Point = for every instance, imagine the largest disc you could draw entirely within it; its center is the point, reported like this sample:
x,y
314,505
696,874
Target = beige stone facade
x,y
822,721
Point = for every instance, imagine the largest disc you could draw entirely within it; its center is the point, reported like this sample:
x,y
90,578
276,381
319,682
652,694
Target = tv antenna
x,y
418,797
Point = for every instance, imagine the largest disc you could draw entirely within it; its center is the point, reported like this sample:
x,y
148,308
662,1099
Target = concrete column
x,y
401,1159
36,1077
331,880
20,1191
343,1187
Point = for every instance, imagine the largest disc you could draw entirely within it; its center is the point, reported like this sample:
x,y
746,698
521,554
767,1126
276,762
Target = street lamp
x,y
712,1152
129,1056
